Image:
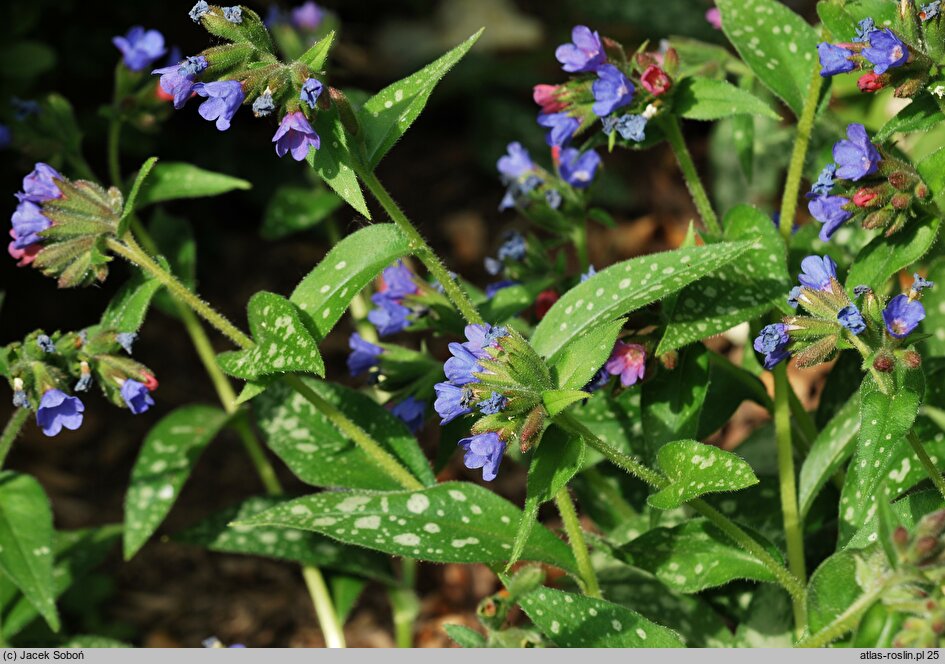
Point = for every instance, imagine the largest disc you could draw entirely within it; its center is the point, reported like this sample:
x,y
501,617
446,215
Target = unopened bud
x,y
864,197
901,201
534,425
669,360
884,363
872,82
921,191
912,359
877,219
900,180
908,89
925,545
900,536
348,119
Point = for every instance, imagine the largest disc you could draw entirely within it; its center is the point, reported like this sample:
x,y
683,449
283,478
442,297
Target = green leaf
x,y
582,358
832,589
883,456
695,469
26,542
452,522
345,591
885,256
921,114
127,309
932,170
168,455
671,403
696,555
577,621
294,209
625,287
324,294
699,98
509,302
321,456
768,622
333,161
779,46
934,302
132,198
841,20
172,180
744,290
283,343
831,449
729,386
465,637
316,56
386,116
216,534
556,401
908,511
615,420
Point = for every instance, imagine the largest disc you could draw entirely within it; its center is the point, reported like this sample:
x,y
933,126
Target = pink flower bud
x,y
864,197
871,82
549,98
655,80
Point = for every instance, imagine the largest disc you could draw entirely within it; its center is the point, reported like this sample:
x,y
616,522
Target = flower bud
x,y
872,82
901,201
533,428
348,118
877,219
549,98
884,363
921,191
864,197
908,89
900,180
655,81
912,359
669,360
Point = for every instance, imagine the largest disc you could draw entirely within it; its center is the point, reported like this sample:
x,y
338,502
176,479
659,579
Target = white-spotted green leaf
x,y
696,555
172,180
695,469
324,294
908,511
833,588
321,456
625,287
757,282
582,358
613,419
386,116
333,161
578,621
833,446
671,403
294,209
252,389
168,455
216,534
452,522
26,542
885,256
768,620
699,98
283,342
778,45
127,309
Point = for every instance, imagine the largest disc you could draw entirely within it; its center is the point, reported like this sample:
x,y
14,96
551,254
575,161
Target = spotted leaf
x,y
831,449
885,256
695,469
333,160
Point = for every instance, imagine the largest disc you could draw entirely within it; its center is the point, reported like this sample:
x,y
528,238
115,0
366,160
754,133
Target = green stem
x,y
420,248
324,607
114,160
843,623
11,431
579,239
405,608
805,126
926,462
572,526
793,529
673,132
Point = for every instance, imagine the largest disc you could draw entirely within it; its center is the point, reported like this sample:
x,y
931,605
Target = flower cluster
x,y
45,370
393,313
867,184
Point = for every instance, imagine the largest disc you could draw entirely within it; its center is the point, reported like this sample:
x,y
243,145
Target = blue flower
x,y
851,318
864,29
513,248
824,183
412,411
57,410
45,343
398,281
919,284
495,403
495,287
834,59
390,317
578,169
452,401
126,340
179,80
233,14
600,379
612,90
772,342
363,355
493,266
818,272
28,222
792,298
553,198
902,315
516,163
484,451
886,50
584,53
40,185
263,105
84,383
930,11
857,157
479,337
137,396
295,135
197,11
630,127
829,211
20,400
223,100
311,88
590,273
460,368
140,48
562,127
861,290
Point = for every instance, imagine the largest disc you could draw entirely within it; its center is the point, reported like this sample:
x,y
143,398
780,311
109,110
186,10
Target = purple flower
x,y
460,368
179,80
223,100
363,355
412,411
562,127
627,361
857,157
198,10
584,53
513,248
885,50
484,451
495,403
824,183
40,185
295,135
578,169
28,222
397,282
233,14
495,287
45,343
612,90
792,298
140,48
818,272
834,59
829,211
516,163
773,341
311,88
57,410
864,29
851,318
137,396
902,315
390,316
307,16
452,401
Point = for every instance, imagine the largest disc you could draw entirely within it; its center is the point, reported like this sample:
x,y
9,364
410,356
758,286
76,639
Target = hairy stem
x,y
572,526
324,607
845,622
805,126
11,431
674,136
926,462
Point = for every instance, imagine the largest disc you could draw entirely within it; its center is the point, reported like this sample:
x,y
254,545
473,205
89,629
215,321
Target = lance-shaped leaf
x,y
934,302
453,522
132,199
695,469
833,588
386,116
833,446
582,358
283,342
699,98
333,161
671,403
127,309
294,209
885,256
921,114
167,457
172,180
316,56
625,287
